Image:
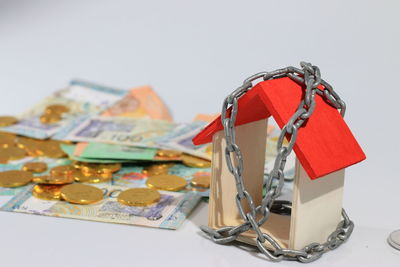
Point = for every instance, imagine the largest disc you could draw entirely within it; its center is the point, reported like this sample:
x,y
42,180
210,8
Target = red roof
x,y
324,144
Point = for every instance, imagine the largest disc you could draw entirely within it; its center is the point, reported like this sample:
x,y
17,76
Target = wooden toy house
x,y
325,146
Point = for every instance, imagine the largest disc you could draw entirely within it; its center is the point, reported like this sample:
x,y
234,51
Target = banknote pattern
x,y
122,131
142,102
82,98
168,213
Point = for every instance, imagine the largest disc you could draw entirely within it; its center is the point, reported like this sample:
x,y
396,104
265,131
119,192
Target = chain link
x,y
310,77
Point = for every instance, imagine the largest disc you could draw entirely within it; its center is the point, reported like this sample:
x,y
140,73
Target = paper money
x,y
69,150
168,213
82,98
142,102
122,131
120,152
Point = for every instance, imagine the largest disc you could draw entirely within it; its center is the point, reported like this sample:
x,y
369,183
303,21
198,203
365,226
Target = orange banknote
x,y
141,102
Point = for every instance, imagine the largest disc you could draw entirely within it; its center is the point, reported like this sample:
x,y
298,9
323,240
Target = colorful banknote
x,y
82,98
120,152
169,213
122,131
69,150
142,102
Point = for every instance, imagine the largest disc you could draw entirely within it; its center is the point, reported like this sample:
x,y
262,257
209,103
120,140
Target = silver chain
x,y
309,76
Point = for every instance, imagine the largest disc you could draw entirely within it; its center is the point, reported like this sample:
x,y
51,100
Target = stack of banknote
x,y
93,152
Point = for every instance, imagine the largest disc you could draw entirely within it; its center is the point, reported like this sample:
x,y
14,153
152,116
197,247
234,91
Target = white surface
x,y
194,53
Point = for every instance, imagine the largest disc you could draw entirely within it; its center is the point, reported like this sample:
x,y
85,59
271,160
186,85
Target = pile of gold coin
x,y
51,186
59,175
47,192
94,172
13,147
53,113
195,162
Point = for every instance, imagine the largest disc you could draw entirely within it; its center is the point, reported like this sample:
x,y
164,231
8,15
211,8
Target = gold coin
x,y
139,197
47,192
51,149
195,162
56,108
7,121
166,182
78,164
15,178
81,194
201,181
100,168
157,169
50,118
12,153
92,178
7,140
62,170
36,167
31,146
53,179
168,153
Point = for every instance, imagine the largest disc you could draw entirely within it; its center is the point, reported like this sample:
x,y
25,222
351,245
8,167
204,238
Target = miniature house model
x,y
325,146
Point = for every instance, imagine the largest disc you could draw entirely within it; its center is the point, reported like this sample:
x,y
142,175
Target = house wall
x,y
316,207
251,139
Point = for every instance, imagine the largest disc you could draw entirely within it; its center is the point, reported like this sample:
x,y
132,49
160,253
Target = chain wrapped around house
x,y
243,206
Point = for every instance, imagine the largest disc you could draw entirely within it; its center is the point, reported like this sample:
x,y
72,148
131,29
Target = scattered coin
x,y
166,182
201,181
168,153
47,192
82,177
36,167
81,194
53,179
62,170
56,109
15,178
139,197
394,239
195,162
7,121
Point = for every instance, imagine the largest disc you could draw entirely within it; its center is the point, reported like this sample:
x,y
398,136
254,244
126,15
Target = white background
x,y
194,53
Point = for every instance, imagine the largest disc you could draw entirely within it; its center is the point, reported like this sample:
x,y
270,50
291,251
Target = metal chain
x,y
309,76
